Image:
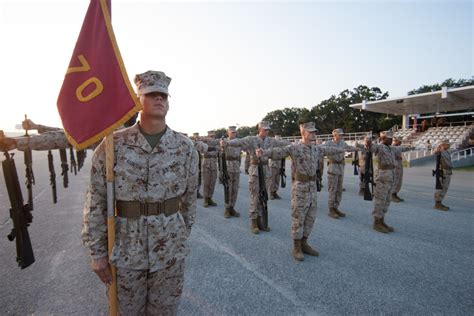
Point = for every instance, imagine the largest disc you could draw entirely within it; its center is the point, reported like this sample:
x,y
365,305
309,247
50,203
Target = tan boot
x,y
361,192
227,212
395,198
276,196
307,248
233,212
297,253
339,213
211,202
206,202
390,228
254,226
272,196
199,196
398,197
440,206
378,226
333,214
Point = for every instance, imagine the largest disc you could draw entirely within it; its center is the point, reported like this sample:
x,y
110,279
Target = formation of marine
x,y
160,173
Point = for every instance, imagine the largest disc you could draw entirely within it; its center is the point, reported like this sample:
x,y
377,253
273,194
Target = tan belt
x,y
209,156
232,158
382,167
399,159
135,209
336,162
255,162
304,177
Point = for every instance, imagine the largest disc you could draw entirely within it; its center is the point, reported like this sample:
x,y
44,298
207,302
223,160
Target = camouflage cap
x,y
386,134
338,131
264,125
195,134
309,127
152,81
232,129
209,133
444,141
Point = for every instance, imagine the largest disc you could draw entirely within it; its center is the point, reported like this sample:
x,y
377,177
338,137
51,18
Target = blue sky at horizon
x,y
233,62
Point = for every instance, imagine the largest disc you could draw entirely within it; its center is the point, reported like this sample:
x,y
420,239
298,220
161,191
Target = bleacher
x,y
458,136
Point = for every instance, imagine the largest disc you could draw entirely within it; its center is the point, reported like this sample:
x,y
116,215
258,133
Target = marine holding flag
x,y
156,172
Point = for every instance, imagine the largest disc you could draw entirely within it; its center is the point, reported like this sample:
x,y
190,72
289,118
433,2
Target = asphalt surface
x,y
424,268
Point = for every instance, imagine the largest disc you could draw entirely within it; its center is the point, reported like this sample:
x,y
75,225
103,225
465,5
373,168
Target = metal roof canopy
x,y
444,100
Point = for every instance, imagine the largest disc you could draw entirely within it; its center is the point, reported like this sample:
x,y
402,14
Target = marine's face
x,y
310,135
262,132
387,141
155,104
231,134
337,137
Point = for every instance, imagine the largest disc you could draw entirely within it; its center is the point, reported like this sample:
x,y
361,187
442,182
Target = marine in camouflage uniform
x,y
384,179
447,167
275,166
305,156
251,144
209,168
232,155
156,173
201,148
336,174
398,150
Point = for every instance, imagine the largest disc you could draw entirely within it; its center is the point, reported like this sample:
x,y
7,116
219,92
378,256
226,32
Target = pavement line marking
x,y
289,295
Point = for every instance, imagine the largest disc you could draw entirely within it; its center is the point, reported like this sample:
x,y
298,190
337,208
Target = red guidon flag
x,y
96,96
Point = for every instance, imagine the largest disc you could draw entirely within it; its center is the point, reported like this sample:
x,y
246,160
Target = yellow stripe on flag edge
x,y
94,139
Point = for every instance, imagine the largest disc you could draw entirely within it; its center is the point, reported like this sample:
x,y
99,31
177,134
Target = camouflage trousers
x,y
275,182
382,192
234,178
440,194
334,190
209,178
303,213
141,292
255,210
247,162
397,184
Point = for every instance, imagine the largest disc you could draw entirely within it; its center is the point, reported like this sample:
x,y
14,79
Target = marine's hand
x,y
223,143
7,143
29,125
259,152
102,269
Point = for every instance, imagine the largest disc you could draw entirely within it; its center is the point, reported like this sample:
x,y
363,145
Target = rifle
x,y
283,173
438,173
52,176
19,213
29,175
219,167
81,156
355,163
319,180
64,167
368,176
225,177
199,176
73,161
262,193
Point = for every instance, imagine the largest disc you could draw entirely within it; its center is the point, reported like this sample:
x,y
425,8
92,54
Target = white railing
x,y
326,137
415,154
462,154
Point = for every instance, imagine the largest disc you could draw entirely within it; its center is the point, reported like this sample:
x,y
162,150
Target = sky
x,y
233,62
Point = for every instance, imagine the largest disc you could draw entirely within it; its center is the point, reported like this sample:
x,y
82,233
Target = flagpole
x,y
109,165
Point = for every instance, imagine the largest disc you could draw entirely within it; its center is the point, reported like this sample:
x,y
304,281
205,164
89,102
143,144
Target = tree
x,y
285,122
245,131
